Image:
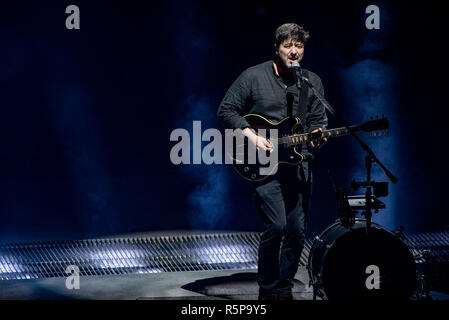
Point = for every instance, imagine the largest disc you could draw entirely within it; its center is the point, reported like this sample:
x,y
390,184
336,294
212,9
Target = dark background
x,y
86,115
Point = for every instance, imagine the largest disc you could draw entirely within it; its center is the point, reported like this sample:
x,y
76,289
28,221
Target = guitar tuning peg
x,y
385,132
374,133
380,133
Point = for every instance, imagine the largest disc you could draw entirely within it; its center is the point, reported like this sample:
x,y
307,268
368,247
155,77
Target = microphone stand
x,y
369,159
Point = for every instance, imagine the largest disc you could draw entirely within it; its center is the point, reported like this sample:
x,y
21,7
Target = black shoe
x,y
286,296
268,296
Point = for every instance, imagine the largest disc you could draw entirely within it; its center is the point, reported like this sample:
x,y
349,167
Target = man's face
x,y
289,51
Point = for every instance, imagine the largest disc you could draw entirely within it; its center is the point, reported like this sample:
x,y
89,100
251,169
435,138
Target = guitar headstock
x,y
376,126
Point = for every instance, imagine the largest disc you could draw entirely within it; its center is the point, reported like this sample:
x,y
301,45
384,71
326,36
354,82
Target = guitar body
x,y
286,154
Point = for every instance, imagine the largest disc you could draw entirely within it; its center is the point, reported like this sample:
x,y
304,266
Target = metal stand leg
x,y
425,295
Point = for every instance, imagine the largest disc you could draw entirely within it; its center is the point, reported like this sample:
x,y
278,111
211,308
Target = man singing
x,y
282,199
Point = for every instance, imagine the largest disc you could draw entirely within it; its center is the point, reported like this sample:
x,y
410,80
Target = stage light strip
x,y
214,251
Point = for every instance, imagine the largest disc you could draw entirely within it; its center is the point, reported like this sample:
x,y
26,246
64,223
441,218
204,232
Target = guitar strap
x,y
303,101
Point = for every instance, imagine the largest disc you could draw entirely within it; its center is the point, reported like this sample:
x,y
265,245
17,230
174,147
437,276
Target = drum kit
x,y
355,258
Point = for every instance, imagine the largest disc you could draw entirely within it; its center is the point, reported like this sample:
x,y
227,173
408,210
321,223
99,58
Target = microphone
x,y
297,74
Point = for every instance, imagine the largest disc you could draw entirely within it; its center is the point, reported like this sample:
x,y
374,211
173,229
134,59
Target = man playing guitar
x,y
282,199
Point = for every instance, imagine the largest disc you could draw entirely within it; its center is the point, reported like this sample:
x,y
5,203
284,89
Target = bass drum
x,y
344,263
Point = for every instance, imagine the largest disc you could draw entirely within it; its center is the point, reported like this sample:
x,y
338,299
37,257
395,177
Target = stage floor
x,y
191,285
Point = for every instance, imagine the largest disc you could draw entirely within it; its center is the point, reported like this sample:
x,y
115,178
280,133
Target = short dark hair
x,y
290,30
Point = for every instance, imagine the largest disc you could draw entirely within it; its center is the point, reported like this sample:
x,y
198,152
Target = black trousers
x,y
282,200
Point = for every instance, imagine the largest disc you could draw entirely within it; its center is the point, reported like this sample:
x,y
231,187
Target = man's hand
x,y
258,141
318,142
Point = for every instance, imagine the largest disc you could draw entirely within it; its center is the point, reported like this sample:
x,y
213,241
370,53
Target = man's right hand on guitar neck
x,y
258,141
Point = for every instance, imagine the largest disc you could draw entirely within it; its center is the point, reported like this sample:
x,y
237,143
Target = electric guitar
x,y
290,139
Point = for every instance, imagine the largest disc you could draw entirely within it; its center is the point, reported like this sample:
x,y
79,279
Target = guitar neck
x,y
304,138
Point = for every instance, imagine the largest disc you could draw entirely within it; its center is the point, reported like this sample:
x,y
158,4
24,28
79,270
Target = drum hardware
x,y
380,188
318,240
423,292
358,202
400,233
348,206
345,211
314,284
